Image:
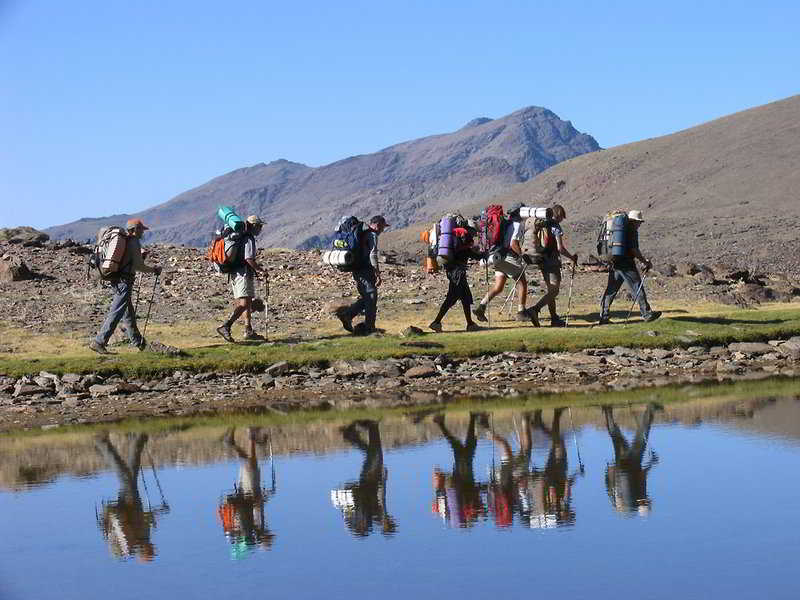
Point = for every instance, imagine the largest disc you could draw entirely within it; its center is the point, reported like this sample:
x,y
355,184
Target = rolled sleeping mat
x,y
338,258
447,240
230,218
532,212
618,236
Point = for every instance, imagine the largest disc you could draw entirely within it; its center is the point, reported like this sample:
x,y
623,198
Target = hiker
x,y
368,279
551,238
242,511
623,270
512,265
242,276
121,281
458,496
363,503
626,479
510,482
456,272
125,523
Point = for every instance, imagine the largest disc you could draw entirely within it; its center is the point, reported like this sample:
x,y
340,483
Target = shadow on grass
x,y
623,314
728,321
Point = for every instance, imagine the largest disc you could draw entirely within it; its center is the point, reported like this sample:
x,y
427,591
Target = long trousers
x,y
368,297
121,309
627,273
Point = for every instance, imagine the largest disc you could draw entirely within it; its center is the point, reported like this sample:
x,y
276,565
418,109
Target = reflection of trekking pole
x,y
636,297
149,306
155,476
575,437
569,299
272,464
513,289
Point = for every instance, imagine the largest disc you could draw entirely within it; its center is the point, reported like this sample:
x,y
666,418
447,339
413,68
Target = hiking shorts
x,y
243,285
511,266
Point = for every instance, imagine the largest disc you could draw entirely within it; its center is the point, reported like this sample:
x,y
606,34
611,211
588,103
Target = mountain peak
x,y
477,122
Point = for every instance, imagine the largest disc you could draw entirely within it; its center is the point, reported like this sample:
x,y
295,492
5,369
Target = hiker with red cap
x,y
121,279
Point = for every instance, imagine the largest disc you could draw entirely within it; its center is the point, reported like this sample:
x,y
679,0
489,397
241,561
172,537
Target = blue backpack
x,y
348,237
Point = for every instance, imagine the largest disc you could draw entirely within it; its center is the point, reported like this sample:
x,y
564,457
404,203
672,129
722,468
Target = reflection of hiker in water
x,y
242,511
363,503
125,523
458,497
552,488
626,479
513,475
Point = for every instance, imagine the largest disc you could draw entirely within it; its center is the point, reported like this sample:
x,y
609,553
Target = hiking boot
x,y
142,346
252,336
557,322
652,316
474,327
480,312
225,332
523,315
98,347
604,321
533,315
347,321
435,326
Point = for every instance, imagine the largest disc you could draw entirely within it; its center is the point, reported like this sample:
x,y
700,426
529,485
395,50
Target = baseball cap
x,y
378,220
132,223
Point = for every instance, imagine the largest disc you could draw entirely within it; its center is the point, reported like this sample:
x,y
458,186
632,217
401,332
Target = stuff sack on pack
x,y
492,228
430,237
533,212
346,252
109,251
612,238
231,221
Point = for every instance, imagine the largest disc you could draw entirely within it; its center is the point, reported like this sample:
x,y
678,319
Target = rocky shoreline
x,y
47,400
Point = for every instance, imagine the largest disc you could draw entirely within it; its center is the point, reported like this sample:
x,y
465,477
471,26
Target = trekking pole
x,y
511,306
575,437
636,298
266,306
569,299
513,289
150,305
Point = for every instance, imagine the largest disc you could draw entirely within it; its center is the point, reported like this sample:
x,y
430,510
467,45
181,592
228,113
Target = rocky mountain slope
x,y
724,191
406,182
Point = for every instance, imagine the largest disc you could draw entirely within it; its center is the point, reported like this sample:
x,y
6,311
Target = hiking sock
x,y
520,308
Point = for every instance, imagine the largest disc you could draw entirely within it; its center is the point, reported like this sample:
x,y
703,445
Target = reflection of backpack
x,y
109,251
349,238
613,237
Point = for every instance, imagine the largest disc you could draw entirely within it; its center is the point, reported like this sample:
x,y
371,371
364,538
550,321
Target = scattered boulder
x,y
411,331
421,371
279,368
687,269
14,269
751,348
667,270
23,235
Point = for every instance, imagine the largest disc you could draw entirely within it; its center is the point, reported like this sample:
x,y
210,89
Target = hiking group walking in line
x,y
496,239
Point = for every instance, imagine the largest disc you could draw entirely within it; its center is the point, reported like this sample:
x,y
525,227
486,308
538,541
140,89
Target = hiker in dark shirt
x,y
623,270
626,479
456,272
242,280
550,266
363,503
121,308
368,280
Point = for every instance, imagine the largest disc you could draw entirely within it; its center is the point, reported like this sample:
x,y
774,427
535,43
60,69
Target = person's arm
x,y
516,239
562,249
373,256
250,257
137,260
647,263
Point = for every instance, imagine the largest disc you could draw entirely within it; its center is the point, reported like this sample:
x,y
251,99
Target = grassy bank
x,y
676,328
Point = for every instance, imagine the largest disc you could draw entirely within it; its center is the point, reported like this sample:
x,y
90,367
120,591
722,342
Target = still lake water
x,y
570,503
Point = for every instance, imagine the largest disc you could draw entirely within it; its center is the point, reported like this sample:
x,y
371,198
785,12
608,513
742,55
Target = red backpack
x,y
493,227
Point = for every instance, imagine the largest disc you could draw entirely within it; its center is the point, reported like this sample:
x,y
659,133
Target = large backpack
x,y
613,238
109,251
226,251
348,240
544,242
493,227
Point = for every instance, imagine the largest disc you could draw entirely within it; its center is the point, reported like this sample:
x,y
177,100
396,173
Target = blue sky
x,y
114,106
